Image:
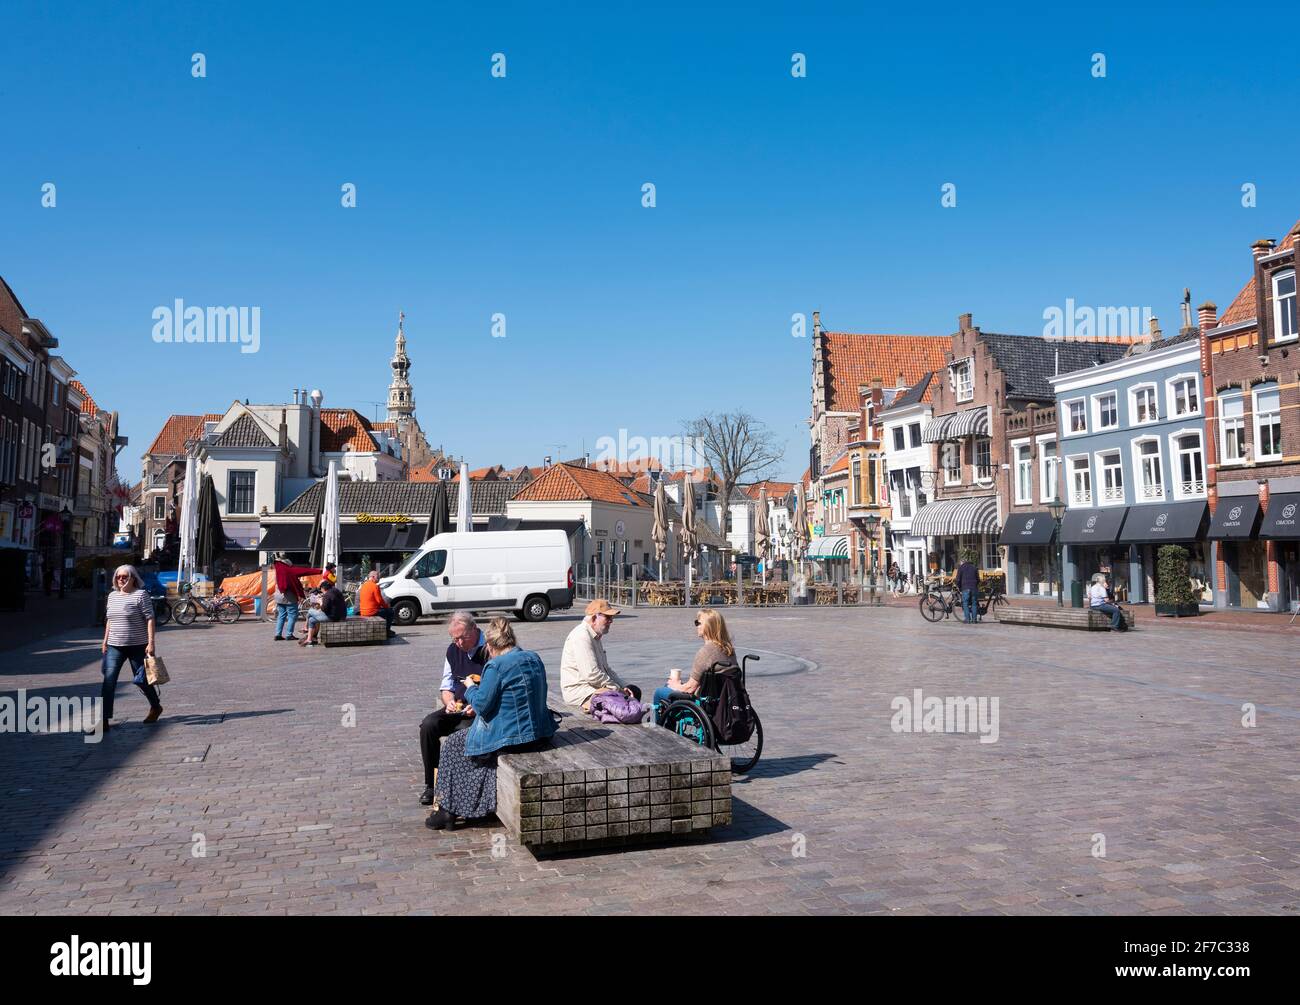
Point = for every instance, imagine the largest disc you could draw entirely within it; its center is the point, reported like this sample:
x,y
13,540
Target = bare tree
x,y
738,447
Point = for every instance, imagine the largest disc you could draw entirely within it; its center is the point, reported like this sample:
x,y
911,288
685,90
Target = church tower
x,y
401,399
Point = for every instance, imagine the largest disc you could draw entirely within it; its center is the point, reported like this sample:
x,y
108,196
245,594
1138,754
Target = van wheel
x,y
536,609
407,612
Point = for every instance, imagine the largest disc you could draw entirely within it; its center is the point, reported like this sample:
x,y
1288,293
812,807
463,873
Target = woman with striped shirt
x,y
128,635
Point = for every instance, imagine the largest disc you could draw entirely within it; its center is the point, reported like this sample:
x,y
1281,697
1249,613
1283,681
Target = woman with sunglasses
x,y
128,635
717,648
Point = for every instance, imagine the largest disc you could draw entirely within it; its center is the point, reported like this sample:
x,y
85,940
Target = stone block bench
x,y
604,784
1081,618
353,632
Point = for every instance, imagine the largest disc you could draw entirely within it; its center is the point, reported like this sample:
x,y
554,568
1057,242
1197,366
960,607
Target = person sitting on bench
x,y
584,667
333,607
371,602
1099,597
465,656
717,648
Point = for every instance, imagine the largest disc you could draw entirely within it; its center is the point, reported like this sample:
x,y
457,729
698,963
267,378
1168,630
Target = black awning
x,y
1235,519
1283,517
284,537
1028,528
1184,521
354,537
1092,526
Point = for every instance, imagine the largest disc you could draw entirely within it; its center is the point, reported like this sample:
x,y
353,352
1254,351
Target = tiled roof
x,y
774,489
177,429
854,360
1242,307
244,432
922,392
1028,360
387,427
345,428
632,467
568,483
88,406
415,499
841,465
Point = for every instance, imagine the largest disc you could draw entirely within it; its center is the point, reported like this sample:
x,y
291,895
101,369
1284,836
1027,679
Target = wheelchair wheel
x,y
687,719
185,612
745,755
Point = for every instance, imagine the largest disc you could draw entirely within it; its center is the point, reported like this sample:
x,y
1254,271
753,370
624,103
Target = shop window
x,y
1232,426
1268,421
1111,473
1151,485
1285,328
990,558
1080,482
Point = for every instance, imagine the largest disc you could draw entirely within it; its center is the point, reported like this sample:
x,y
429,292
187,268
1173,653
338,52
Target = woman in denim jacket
x,y
510,714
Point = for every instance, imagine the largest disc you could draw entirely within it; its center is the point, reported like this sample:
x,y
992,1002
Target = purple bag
x,y
615,706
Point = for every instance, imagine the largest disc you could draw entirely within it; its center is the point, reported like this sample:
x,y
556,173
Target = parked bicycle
x,y
939,600
162,610
225,610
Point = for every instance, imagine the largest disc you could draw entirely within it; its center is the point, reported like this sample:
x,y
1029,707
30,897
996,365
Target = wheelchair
x,y
691,716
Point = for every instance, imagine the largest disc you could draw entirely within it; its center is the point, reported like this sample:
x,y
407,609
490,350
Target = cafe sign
x,y
382,518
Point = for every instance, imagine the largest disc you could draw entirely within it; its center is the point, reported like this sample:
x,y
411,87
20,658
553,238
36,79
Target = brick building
x,y
1251,362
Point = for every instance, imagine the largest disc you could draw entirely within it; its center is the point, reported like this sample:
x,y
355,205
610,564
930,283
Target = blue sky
x,y
522,195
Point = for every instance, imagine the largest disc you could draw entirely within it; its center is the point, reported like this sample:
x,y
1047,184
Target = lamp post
x,y
872,522
1057,509
66,517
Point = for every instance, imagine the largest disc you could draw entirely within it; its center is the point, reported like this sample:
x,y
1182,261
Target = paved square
x,y
1135,741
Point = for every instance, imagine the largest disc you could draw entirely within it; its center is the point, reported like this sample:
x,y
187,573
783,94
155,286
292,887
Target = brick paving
x,y
1136,737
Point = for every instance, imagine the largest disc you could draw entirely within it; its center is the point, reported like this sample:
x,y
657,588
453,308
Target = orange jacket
x,y
370,599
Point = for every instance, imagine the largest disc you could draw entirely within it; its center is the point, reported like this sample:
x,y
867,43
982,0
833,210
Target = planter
x,y
1177,610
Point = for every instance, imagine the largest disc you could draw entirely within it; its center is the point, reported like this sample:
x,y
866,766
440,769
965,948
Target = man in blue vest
x,y
466,655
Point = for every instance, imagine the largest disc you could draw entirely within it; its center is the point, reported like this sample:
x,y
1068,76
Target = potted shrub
x,y
1175,596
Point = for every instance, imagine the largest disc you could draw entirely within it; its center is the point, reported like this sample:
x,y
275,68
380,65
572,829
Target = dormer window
x,y
1285,327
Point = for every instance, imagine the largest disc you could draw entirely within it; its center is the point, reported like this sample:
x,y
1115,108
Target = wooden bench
x,y
604,784
1082,618
353,632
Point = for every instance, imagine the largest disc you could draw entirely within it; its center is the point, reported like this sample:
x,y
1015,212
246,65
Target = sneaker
x,y
426,797
153,714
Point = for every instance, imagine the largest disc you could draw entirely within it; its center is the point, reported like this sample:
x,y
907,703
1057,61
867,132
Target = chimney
x,y
1187,312
295,396
1206,315
1262,247
963,322
1156,334
284,429
817,323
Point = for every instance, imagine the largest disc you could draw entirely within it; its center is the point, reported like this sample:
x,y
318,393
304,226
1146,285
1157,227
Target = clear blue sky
x,y
522,195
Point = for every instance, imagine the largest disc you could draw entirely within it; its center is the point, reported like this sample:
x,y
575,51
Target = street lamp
x,y
872,522
66,517
1057,509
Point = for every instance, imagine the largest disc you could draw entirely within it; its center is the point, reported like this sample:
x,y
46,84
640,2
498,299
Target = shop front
x,y
1031,556
830,556
1151,526
1234,536
957,525
1091,544
1281,527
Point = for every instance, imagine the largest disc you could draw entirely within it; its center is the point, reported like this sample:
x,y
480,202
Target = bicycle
x,y
225,610
162,610
940,600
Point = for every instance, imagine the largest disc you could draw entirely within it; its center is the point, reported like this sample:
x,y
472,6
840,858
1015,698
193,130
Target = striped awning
x,y
951,517
836,546
955,425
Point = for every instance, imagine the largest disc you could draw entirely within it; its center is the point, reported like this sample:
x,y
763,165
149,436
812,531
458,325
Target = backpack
x,y
733,716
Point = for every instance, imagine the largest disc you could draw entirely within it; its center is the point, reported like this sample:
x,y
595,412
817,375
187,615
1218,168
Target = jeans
x,y
436,725
1116,616
113,660
662,696
386,613
286,616
970,605
315,616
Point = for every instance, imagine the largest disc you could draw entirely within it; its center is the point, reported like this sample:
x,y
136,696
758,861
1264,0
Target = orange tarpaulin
x,y
248,587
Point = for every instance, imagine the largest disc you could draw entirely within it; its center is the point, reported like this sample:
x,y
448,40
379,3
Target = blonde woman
x,y
128,635
717,647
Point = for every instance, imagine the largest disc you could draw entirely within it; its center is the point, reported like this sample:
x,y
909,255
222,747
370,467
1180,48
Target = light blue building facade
x,y
1131,441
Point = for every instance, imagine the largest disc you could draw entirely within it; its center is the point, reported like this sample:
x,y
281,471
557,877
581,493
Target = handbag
x,y
155,671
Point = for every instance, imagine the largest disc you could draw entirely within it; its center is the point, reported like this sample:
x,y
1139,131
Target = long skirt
x,y
467,786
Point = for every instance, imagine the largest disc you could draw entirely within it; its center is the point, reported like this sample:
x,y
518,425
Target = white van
x,y
529,572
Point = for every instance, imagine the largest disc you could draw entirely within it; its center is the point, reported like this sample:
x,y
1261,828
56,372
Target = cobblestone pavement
x,y
1135,741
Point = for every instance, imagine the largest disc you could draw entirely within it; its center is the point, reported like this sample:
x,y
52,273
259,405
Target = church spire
x,y
401,398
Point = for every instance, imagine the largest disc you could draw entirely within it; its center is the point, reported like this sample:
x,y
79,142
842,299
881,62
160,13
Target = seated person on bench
x,y
1099,600
333,607
584,667
717,648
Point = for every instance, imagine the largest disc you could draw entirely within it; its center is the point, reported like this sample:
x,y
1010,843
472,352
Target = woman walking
x,y
510,715
128,635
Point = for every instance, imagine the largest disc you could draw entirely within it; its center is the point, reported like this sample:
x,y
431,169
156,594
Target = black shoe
x,y
441,820
426,797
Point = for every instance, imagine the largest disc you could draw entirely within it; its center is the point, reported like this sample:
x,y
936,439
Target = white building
x,y
909,469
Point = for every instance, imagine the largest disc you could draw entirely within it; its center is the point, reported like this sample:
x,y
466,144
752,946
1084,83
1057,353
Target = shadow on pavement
x,y
781,767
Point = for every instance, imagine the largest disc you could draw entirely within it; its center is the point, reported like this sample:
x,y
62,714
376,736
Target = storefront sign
x,y
1092,526
1235,518
382,518
1159,524
1028,529
1283,517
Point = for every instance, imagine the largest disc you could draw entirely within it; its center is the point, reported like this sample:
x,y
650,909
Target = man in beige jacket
x,y
584,667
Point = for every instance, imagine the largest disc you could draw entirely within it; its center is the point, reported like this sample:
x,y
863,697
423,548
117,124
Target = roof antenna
x,y
1056,364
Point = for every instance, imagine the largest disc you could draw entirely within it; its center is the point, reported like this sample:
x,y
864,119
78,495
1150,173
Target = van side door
x,y
432,576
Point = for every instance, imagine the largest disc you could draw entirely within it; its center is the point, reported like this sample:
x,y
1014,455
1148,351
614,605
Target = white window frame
x,y
1100,492
1075,498
1066,425
230,492
1133,419
1016,447
1255,423
1277,309
1224,459
1176,462
914,442
896,433
1049,487
958,367
975,463
1171,398
1096,410
947,471
1140,492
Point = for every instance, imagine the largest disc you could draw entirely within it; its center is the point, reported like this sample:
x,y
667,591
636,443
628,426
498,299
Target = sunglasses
x,y
697,622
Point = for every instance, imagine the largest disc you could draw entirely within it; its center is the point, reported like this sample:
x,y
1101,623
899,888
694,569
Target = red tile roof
x,y
179,428
855,359
88,406
345,428
774,489
1242,307
632,467
841,465
569,483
